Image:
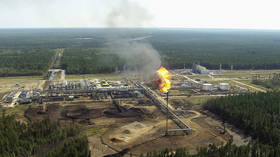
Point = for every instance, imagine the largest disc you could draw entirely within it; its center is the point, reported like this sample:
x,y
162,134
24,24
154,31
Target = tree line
x,y
228,150
210,48
258,114
24,62
242,49
45,138
89,60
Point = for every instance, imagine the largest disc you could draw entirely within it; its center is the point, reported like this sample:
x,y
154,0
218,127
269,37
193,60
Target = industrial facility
x,y
129,106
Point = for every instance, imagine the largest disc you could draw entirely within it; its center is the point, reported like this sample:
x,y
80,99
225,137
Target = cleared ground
x,y
140,126
112,76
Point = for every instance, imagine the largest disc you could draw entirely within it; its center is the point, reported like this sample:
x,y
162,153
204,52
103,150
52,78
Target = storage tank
x,y
207,87
224,86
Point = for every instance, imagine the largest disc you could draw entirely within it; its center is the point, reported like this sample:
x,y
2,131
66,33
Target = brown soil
x,y
137,127
149,135
2,95
98,149
52,112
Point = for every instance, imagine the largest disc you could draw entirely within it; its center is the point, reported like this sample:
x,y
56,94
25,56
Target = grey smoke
x,y
129,13
140,55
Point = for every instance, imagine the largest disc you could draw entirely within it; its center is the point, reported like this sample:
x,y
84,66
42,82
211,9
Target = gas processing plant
x,y
128,112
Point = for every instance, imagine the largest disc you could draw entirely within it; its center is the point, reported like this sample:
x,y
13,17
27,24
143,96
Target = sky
x,y
244,14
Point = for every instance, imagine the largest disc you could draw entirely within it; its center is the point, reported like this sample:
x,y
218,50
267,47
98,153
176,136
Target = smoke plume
x,y
137,54
128,14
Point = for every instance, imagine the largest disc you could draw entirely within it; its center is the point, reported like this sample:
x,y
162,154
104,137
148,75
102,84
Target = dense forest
x,y
228,150
76,147
44,138
85,61
50,38
258,114
244,49
15,62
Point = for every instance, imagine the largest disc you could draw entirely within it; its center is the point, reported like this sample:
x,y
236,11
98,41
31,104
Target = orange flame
x,y
165,80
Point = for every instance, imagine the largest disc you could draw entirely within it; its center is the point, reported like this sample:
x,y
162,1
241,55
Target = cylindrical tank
x,y
207,87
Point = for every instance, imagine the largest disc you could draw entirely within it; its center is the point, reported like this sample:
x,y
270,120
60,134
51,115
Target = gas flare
x,y
164,81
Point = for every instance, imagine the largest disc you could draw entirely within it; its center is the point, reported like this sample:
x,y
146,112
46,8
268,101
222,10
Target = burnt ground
x,y
134,124
148,135
86,110
53,112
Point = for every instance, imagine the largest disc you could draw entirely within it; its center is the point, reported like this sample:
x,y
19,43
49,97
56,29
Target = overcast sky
x,y
251,14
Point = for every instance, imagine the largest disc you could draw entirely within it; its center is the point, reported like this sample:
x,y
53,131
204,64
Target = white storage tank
x,y
207,87
224,86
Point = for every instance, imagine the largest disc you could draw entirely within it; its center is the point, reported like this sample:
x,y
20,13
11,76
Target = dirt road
x,y
198,129
255,88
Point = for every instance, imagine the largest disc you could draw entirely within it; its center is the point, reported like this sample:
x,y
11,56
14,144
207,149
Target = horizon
x,y
217,14
162,28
